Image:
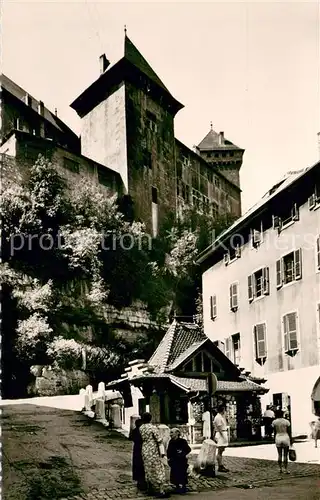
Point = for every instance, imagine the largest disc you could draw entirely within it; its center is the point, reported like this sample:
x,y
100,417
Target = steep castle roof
x,y
213,141
19,93
132,62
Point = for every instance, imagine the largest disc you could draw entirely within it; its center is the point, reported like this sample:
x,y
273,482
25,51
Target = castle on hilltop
x,y
127,143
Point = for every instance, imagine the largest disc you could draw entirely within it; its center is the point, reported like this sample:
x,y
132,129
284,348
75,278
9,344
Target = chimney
x,y
221,138
41,108
56,111
318,134
104,63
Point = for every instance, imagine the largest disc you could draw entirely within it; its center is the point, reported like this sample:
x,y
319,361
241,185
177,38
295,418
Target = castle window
x,y
151,121
73,166
154,208
215,209
147,159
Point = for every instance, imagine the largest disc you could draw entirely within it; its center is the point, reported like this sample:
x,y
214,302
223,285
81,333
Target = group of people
x,y
148,466
148,457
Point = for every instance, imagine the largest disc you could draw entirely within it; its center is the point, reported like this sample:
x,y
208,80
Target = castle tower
x,y
225,155
127,125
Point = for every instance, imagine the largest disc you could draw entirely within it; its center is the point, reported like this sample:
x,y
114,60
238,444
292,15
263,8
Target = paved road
x,y
48,450
293,489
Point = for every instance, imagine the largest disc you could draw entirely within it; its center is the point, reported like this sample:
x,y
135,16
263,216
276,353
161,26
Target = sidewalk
x,y
46,450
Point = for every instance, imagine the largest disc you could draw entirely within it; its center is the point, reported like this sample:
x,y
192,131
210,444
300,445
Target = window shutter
x,y
318,311
295,212
234,296
279,273
213,306
318,252
297,264
227,347
292,331
265,280
285,333
250,287
260,341
312,201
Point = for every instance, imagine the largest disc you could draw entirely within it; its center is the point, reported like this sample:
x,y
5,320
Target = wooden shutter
x,y
213,306
265,280
234,295
250,287
285,333
260,341
295,212
279,273
297,264
318,252
292,331
227,347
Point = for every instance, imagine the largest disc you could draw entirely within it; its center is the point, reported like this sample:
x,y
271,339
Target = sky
x,y
250,68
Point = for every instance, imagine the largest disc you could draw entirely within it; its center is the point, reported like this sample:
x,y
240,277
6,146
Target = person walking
x,y
316,431
138,473
282,440
153,454
177,452
268,418
221,436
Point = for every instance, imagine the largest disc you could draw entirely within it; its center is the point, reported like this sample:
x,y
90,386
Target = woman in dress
x,y
282,439
138,474
153,454
177,452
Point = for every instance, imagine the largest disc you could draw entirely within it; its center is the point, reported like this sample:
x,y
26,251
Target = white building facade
x,y
261,294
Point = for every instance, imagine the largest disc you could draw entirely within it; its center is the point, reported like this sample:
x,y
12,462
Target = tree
x,y
66,253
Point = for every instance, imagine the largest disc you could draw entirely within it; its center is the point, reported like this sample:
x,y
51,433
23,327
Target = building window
x,y
289,268
290,332
147,159
236,348
318,253
234,296
258,284
151,121
260,341
201,363
314,199
213,307
286,217
73,166
256,235
154,193
217,182
233,254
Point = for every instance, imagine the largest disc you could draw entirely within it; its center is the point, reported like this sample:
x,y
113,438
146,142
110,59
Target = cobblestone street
x,y
34,437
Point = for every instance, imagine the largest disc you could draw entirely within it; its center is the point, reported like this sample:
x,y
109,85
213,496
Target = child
x,y
178,449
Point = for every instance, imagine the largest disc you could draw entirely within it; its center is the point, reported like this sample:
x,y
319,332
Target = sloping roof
x,y
211,142
194,384
178,338
132,54
287,180
18,92
185,354
115,73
